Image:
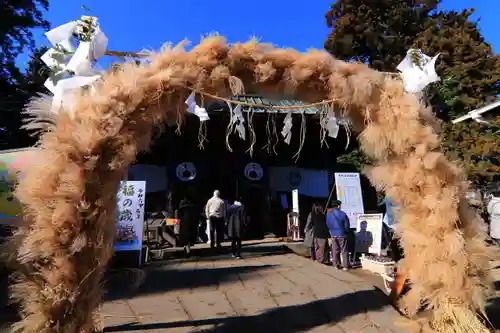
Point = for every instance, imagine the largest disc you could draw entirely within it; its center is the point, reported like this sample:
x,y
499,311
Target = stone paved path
x,y
265,292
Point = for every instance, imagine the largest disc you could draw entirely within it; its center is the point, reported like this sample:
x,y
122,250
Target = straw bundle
x,y
69,194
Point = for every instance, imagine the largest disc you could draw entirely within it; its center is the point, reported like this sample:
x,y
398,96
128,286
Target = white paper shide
x,y
239,121
418,71
76,46
195,109
286,132
332,126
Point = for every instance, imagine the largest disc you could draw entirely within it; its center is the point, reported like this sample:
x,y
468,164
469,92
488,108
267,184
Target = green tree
x,y
474,145
36,74
17,21
465,57
380,32
376,32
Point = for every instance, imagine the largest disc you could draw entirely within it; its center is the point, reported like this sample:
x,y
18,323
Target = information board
x,y
348,186
369,233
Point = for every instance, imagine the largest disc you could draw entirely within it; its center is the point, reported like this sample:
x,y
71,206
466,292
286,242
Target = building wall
x,y
309,182
155,176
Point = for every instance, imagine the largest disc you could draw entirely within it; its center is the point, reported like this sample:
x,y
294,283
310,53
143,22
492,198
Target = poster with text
x,y
369,233
348,186
130,216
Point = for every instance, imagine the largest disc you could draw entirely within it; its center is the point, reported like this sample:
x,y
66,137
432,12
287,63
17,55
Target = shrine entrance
x,y
198,158
69,197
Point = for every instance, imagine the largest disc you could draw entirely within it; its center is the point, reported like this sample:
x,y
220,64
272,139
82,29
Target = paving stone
x,y
207,305
387,317
247,302
159,309
274,293
116,314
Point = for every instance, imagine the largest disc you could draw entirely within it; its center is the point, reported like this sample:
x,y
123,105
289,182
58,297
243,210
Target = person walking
x,y
215,210
236,225
338,226
321,234
189,216
494,212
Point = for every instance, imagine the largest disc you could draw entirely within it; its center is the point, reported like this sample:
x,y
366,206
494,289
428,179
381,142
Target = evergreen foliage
x,y
380,32
18,19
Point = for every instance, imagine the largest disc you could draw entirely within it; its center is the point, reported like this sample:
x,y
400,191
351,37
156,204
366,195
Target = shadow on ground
x,y
164,276
8,312
493,308
249,251
290,319
161,279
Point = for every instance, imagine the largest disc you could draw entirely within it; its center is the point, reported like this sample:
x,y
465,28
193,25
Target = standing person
x,y
309,236
494,211
189,216
215,211
321,234
236,224
338,226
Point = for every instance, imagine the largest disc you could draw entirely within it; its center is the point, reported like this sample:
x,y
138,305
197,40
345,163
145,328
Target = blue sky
x,y
136,25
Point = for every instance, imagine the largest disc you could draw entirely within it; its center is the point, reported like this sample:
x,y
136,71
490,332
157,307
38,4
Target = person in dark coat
x,y
236,225
321,234
189,216
309,236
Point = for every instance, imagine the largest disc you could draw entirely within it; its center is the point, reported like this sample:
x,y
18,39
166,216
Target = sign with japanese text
x,y
130,216
348,186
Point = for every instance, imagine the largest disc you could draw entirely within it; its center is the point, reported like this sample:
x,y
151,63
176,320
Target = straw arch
x,y
69,195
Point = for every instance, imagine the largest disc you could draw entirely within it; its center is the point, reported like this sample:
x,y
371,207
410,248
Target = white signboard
x,y
295,201
348,186
369,233
130,216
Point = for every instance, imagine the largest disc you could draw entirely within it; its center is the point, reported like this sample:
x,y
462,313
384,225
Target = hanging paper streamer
x,y
418,71
238,121
332,126
72,67
195,109
286,132
251,132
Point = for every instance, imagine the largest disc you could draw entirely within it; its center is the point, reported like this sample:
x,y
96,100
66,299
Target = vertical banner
x,y
130,216
369,233
348,186
295,201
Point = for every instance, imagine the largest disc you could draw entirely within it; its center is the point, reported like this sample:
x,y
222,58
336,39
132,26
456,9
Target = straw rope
x,y
258,105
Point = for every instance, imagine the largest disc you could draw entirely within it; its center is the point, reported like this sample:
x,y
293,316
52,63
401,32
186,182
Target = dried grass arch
x,y
69,197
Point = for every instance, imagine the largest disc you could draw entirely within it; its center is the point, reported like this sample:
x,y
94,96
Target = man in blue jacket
x,y
338,225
